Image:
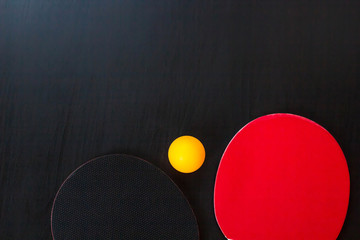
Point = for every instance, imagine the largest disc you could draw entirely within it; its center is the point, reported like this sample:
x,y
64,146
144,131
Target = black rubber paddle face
x,y
121,197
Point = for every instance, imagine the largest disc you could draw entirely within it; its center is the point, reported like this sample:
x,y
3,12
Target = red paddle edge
x,y
275,115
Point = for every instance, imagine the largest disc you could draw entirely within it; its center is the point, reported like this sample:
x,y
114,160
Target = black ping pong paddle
x,y
121,197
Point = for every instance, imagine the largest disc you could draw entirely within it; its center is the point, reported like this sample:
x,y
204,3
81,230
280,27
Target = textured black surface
x,y
121,197
81,79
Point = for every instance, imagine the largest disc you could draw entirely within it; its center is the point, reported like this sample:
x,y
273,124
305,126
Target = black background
x,y
80,79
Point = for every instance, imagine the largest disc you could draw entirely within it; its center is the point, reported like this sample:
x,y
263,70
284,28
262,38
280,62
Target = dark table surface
x,y
80,79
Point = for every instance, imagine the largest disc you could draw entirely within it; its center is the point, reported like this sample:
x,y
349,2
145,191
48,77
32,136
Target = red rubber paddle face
x,y
282,177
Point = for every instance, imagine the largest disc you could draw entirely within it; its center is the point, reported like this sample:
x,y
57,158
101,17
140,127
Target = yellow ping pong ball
x,y
186,154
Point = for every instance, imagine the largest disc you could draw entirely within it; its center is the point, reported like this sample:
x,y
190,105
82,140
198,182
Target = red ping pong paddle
x,y
282,177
